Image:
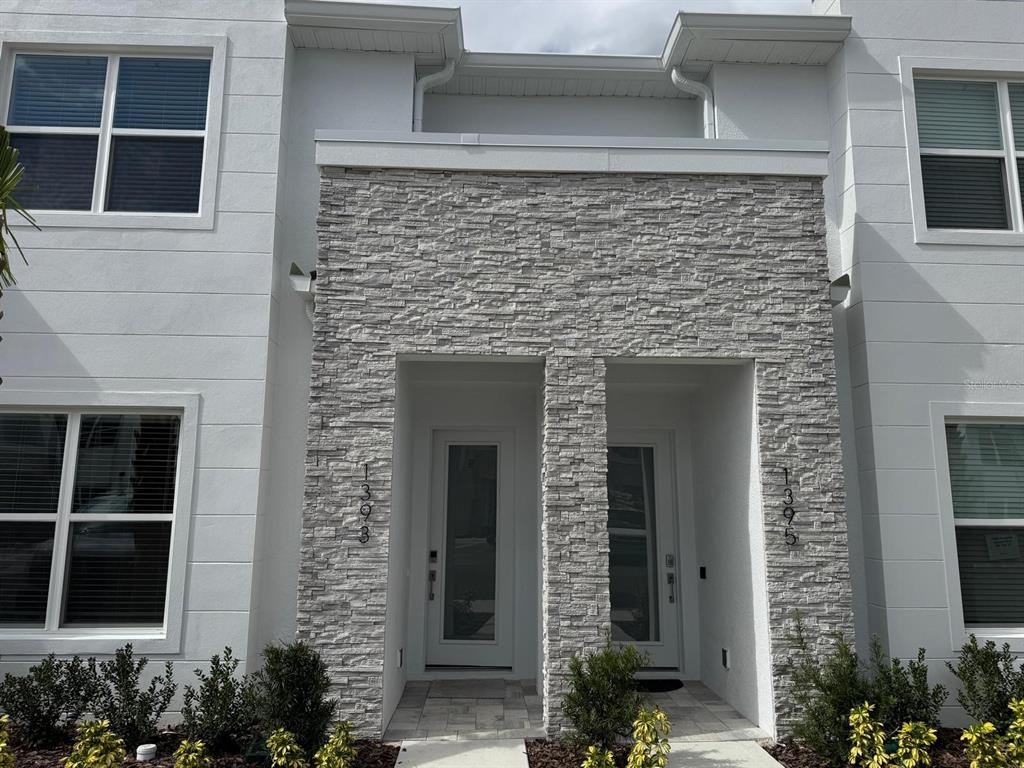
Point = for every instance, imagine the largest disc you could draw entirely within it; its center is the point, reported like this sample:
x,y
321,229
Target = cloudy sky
x,y
587,26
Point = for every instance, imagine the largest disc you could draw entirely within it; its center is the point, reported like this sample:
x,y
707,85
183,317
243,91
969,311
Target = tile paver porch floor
x,y
457,710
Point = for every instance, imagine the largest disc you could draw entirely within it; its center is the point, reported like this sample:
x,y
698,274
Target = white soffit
x,y
432,34
702,39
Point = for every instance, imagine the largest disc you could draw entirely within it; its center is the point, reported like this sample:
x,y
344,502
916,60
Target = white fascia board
x,y
568,154
689,27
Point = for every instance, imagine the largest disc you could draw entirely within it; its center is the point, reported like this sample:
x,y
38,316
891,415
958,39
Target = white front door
x,y
643,562
469,559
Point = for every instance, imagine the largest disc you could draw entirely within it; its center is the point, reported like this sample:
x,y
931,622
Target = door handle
x,y
433,578
671,587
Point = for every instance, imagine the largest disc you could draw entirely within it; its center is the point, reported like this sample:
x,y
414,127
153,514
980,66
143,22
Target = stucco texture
x,y
574,269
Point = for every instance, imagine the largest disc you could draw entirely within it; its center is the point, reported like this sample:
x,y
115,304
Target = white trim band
x,y
569,154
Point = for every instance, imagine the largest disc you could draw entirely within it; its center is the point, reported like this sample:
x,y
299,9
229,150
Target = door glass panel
x,y
632,567
470,575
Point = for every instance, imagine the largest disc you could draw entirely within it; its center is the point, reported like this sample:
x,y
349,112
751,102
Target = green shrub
x,y
988,748
989,680
219,712
290,692
96,747
901,694
285,751
133,712
340,749
45,704
602,701
650,740
191,754
825,691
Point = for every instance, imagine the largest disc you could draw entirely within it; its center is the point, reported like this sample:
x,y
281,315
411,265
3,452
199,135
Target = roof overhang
x,y
696,42
433,35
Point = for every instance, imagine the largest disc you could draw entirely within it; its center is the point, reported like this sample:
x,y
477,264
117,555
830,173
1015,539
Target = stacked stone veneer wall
x,y
574,269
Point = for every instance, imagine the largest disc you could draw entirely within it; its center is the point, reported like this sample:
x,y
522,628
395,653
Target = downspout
x,y
701,91
424,84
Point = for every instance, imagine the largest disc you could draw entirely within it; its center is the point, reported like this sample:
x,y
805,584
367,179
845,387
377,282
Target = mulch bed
x,y
370,754
544,753
948,752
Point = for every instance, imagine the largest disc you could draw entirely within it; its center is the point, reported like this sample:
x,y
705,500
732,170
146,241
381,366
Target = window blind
x,y
162,93
991,575
117,573
155,174
31,457
986,470
26,549
955,114
57,91
964,192
59,171
1017,113
126,465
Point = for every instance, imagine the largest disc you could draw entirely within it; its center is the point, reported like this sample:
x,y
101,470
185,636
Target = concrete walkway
x,y
483,753
511,753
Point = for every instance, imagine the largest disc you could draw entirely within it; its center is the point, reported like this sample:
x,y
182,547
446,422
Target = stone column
x,y
574,521
343,580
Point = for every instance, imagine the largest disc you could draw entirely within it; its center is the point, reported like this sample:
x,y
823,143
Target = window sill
x,y
84,642
999,635
109,220
968,237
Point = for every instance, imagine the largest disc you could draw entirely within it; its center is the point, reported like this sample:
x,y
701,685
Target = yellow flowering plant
x,y
650,740
191,754
598,758
986,747
340,749
6,753
96,747
868,742
285,751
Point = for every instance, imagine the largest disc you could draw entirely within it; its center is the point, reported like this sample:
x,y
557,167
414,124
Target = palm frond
x,y
11,173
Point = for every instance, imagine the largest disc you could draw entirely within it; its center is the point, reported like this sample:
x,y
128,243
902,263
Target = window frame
x,y
1002,73
942,414
115,47
52,638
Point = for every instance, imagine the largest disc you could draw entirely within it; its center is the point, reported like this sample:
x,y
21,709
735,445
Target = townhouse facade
x,y
456,364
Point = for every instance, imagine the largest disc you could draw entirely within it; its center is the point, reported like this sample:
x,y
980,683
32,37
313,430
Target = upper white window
x,y
87,503
110,133
986,478
970,137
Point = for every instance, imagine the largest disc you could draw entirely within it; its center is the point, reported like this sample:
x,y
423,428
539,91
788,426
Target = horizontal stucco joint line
x,y
569,154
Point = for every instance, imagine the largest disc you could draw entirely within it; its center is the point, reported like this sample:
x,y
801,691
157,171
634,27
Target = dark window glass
x,y
162,93
958,114
155,175
117,573
991,575
126,464
964,192
59,171
31,457
57,91
26,549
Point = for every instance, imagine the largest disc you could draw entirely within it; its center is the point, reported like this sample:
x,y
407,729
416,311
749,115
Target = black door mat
x,y
658,685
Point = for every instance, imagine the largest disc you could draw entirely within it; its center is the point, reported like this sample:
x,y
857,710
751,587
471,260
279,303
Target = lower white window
x,y
986,476
87,503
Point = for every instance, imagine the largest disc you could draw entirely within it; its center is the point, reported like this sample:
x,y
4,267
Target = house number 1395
x,y
789,512
365,507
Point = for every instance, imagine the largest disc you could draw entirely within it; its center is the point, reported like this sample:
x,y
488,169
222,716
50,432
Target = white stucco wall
x,y
757,101
109,309
562,115
926,322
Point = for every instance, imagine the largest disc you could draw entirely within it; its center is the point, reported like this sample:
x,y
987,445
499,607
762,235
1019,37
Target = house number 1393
x,y
365,507
788,511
